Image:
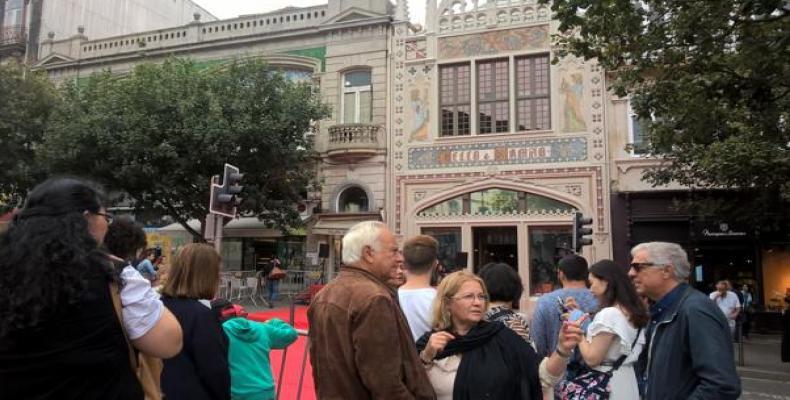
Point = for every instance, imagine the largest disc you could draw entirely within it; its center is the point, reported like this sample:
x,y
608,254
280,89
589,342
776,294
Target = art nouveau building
x,y
493,146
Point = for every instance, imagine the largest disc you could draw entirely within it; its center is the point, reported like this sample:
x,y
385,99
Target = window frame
x,y
340,207
459,102
356,90
497,100
632,150
533,124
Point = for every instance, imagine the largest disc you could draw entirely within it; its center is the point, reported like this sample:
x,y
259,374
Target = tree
x,y
159,133
711,81
26,99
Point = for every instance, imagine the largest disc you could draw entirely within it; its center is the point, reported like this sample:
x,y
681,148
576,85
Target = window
x,y
636,138
532,93
353,199
14,14
455,99
492,96
449,246
496,201
357,97
547,245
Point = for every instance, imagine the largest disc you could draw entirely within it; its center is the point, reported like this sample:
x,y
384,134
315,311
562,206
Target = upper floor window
x,y
492,96
14,13
352,199
455,99
357,103
637,142
492,105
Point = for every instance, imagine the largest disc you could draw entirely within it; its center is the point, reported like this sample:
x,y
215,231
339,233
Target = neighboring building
x,y
342,47
492,146
24,24
718,249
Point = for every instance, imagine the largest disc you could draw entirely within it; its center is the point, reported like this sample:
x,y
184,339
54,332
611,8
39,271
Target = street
x,y
764,376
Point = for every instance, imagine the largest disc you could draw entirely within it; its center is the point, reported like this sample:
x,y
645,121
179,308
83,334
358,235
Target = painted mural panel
x,y
572,89
418,110
504,153
531,38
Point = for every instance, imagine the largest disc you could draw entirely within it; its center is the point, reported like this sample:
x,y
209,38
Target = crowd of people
x,y
86,315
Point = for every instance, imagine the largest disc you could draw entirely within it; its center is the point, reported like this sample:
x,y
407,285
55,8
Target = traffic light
x,y
581,228
225,197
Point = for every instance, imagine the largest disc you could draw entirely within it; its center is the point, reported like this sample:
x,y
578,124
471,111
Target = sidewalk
x,y
762,359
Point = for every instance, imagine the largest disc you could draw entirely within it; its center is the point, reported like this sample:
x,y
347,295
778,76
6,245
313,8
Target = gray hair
x,y
363,234
665,253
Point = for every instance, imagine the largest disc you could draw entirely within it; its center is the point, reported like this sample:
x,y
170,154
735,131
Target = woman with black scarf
x,y
468,358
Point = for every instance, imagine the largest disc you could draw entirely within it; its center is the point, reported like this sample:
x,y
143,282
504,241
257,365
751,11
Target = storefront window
x,y
449,245
547,245
497,202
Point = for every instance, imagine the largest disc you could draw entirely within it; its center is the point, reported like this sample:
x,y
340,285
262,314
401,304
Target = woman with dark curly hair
x,y
60,336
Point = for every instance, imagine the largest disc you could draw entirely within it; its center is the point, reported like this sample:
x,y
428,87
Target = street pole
x,y
218,222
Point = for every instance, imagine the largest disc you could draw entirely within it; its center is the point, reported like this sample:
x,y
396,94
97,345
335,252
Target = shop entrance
x,y
495,244
732,262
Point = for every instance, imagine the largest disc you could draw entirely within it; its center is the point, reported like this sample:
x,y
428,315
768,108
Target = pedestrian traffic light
x,y
225,197
581,229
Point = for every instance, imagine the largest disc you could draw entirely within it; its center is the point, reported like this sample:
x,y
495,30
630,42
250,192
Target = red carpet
x,y
293,360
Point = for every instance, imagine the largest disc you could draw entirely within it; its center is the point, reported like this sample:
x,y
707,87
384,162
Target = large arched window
x,y
357,99
352,199
496,201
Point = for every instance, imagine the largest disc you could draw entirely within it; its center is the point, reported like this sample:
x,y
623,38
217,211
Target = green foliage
x,y
161,132
26,99
714,75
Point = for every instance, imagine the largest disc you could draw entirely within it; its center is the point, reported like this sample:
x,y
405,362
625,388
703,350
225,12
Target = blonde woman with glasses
x,y
469,358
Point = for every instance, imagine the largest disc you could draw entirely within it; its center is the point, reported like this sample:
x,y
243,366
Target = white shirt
x,y
416,306
727,304
142,308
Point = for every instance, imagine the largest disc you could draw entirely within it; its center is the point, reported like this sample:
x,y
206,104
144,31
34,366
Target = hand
x,y
570,336
571,304
436,343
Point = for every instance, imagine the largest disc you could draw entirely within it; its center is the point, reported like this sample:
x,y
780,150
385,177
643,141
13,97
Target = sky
x,y
224,9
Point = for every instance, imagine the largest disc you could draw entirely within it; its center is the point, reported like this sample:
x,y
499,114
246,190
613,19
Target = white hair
x,y
363,234
665,253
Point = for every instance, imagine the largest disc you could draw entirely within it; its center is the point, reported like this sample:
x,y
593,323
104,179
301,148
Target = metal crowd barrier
x,y
302,333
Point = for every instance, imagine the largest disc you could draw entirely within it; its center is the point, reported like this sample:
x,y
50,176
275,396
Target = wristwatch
x,y
561,354
424,361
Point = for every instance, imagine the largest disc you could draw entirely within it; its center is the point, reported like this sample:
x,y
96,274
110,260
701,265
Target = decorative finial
x,y
80,29
51,35
196,16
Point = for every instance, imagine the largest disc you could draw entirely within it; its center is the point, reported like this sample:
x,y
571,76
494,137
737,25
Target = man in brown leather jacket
x,y
360,343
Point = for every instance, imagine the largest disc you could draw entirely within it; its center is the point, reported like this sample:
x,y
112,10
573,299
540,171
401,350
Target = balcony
x,y
353,142
13,39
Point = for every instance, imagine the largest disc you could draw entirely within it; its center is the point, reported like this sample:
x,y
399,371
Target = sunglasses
x,y
107,217
640,266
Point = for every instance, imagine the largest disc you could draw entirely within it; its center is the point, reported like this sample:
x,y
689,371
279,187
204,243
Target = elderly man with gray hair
x,y
688,339
360,343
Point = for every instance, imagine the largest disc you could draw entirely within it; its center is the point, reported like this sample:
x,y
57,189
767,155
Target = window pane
x,y
533,111
494,201
486,115
349,107
540,204
547,245
365,104
449,245
353,199
454,99
357,78
464,120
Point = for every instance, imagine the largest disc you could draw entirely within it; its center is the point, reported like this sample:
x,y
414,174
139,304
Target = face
x,y
597,286
721,287
649,280
468,305
745,288
397,277
384,261
97,224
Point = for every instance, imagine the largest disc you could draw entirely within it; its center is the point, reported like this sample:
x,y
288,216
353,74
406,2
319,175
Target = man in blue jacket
x,y
689,350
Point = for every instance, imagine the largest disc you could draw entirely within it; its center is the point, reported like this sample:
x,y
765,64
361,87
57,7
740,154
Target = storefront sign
x,y
724,231
483,154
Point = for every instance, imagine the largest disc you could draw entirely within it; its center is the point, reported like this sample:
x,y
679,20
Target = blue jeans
x,y
271,290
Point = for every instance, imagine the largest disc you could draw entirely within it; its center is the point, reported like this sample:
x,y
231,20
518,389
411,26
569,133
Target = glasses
x,y
470,297
640,266
107,217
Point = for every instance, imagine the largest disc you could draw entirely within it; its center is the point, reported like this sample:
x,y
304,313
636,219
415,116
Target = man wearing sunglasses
x,y
688,339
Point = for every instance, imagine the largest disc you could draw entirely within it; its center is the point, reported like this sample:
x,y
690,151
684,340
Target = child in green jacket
x,y
248,356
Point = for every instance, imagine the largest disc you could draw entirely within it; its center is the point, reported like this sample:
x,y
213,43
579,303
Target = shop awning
x,y
338,224
249,227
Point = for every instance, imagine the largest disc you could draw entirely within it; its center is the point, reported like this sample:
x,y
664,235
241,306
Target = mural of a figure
x,y
419,109
573,88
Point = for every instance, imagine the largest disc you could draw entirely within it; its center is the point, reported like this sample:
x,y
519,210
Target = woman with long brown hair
x,y
201,370
615,337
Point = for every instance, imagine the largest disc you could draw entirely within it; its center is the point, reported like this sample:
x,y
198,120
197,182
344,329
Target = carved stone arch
x,y
339,189
498,183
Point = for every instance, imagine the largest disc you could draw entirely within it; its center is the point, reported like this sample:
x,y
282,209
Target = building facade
x,y
24,24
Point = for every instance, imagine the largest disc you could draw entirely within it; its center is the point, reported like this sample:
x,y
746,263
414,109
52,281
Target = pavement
x,y
763,376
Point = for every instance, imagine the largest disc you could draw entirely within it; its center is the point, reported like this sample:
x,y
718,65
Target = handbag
x,y
147,368
583,382
276,273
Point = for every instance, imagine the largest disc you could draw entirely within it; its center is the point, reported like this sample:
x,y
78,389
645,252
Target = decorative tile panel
x,y
531,38
499,153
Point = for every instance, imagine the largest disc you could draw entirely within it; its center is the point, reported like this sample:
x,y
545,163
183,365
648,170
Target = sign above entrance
x,y
501,153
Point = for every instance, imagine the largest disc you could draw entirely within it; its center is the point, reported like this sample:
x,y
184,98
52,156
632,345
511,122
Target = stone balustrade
x,y
354,141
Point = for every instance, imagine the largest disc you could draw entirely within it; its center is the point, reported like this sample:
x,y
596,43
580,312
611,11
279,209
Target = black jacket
x,y
200,371
690,354
496,363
